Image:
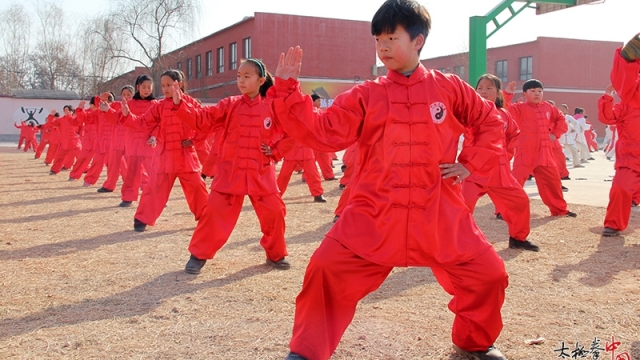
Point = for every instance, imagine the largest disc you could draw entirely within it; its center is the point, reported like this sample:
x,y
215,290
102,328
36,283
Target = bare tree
x,y
15,67
55,67
151,28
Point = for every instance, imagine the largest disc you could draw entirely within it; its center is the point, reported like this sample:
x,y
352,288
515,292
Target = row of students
x,y
28,133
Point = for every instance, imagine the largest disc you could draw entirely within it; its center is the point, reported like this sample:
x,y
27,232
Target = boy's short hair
x,y
532,84
315,97
411,15
578,111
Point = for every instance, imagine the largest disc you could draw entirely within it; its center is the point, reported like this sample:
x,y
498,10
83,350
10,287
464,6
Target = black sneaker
x,y
610,232
633,203
139,226
52,173
331,179
343,168
491,354
294,356
194,265
590,158
335,218
342,186
571,214
281,264
125,203
499,216
103,190
319,198
204,177
565,189
530,177
565,178
525,245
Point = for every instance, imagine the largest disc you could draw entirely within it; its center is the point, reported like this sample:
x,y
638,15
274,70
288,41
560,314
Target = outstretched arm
x,y
626,80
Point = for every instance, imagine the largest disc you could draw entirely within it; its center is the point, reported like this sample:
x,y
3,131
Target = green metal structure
x,y
478,30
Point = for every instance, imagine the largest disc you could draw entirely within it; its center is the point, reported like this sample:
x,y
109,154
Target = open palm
x,y
289,65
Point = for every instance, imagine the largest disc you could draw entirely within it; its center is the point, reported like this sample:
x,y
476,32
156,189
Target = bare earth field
x,y
76,282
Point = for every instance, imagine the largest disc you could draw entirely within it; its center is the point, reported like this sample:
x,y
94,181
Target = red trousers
x,y
136,177
348,173
511,202
64,158
116,167
220,217
548,183
310,170
82,164
30,144
156,194
94,171
561,162
20,140
626,183
343,201
51,153
324,161
209,166
336,279
40,148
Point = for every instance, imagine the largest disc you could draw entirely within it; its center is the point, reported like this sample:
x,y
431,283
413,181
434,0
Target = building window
x,y
459,70
526,68
198,67
442,70
189,69
233,56
246,48
209,63
220,59
179,66
501,71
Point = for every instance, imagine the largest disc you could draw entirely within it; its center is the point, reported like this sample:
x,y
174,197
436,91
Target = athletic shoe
x,y
294,356
609,232
194,265
633,203
565,189
525,245
281,264
571,214
566,177
499,216
52,173
590,158
631,51
86,184
331,179
139,226
335,218
125,203
103,190
342,186
491,354
319,199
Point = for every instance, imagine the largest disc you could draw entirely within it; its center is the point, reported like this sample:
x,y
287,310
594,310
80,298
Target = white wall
x,y
12,110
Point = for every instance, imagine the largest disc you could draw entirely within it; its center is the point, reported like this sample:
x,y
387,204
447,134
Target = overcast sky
x,y
611,20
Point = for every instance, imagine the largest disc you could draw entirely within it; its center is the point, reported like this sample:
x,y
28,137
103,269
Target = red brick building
x,y
574,72
337,54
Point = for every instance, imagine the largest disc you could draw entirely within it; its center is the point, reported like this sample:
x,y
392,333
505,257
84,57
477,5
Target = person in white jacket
x,y
569,138
581,140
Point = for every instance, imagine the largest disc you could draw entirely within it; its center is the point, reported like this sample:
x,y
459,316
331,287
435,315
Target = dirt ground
x,y
76,282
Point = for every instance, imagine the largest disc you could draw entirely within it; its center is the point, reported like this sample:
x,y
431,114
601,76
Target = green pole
x,y
477,47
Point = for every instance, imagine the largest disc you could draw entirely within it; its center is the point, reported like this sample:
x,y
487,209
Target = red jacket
x,y
627,122
625,77
300,153
136,135
89,133
499,176
401,212
536,122
69,136
106,128
161,121
246,124
119,138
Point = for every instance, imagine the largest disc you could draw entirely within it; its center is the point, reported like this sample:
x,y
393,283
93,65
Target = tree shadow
x,y
304,238
610,258
635,350
134,302
51,216
53,199
399,282
78,245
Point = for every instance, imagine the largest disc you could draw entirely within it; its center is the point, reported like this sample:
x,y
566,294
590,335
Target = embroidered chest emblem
x,y
438,112
267,123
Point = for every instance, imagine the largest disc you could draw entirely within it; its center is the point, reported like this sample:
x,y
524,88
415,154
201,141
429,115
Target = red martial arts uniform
x,y
510,199
173,158
401,211
138,153
592,144
243,169
561,158
210,165
350,160
535,153
23,134
45,136
626,182
54,142
106,127
116,164
305,158
69,141
89,139
626,80
325,163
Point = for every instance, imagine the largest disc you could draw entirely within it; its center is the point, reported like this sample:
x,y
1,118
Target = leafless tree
x,y
15,67
151,28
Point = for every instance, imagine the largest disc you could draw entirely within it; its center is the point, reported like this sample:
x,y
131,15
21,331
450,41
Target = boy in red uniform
x,y
541,124
324,160
405,207
626,116
624,74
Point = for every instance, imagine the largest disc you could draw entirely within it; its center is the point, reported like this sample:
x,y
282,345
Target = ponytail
x,y
177,75
139,81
